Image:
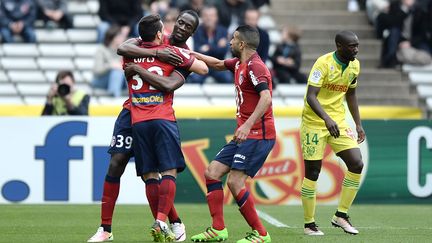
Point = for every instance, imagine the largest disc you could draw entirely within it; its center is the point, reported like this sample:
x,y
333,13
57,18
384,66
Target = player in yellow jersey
x,y
332,78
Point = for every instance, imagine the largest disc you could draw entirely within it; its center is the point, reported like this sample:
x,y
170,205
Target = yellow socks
x,y
308,195
350,187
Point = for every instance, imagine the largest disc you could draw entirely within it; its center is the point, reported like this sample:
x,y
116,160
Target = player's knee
x,y
118,164
312,173
356,166
210,174
234,184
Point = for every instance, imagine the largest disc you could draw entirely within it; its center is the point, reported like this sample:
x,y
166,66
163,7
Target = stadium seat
x,y
189,90
56,50
191,101
87,76
420,77
50,63
278,102
424,91
292,90
93,6
84,63
223,101
33,89
25,76
414,68
7,89
213,90
80,35
3,77
15,63
84,87
14,100
51,36
51,75
112,101
35,100
84,21
429,103
20,50
77,7
294,101
85,50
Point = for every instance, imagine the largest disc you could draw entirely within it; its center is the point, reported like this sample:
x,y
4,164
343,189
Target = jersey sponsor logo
x,y
316,76
147,99
335,87
144,59
241,156
253,78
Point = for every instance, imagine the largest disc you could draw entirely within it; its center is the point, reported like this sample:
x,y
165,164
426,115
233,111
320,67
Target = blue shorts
x,y
121,141
248,156
157,147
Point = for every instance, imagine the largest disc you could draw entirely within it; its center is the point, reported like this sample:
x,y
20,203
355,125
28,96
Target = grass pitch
x,y
76,223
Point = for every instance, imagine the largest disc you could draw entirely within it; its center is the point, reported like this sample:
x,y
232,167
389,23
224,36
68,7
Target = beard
x,y
235,53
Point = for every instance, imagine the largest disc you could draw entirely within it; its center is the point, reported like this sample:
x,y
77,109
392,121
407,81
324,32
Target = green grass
x,y
76,223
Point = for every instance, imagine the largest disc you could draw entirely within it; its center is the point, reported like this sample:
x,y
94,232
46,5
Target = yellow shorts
x,y
314,141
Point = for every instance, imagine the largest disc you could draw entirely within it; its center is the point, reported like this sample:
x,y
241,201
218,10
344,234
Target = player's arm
x,y
351,100
199,67
162,83
130,48
212,62
312,100
262,106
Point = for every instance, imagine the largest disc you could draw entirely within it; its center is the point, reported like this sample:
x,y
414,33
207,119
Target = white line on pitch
x,y
271,220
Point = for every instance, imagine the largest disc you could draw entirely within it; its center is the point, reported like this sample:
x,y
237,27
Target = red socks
x,y
215,203
109,197
247,209
167,189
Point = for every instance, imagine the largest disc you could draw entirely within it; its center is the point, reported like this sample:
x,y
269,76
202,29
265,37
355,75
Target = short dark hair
x,y
63,74
194,14
111,33
249,35
149,26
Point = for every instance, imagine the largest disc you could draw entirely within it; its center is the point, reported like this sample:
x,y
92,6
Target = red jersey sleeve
x,y
258,73
185,56
231,63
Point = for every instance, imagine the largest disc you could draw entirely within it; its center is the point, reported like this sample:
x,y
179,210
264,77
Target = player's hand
x,y
332,127
241,133
130,69
361,135
169,56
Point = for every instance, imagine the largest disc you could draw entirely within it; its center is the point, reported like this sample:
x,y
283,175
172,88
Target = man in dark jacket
x,y
17,18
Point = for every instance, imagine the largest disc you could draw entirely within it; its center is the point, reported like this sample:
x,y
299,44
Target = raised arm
x,y
212,62
130,48
311,98
351,99
199,67
162,83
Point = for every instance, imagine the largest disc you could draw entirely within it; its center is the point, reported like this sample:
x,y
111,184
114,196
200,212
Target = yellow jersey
x,y
334,78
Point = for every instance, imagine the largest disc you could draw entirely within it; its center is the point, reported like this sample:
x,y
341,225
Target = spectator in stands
x,y
252,16
261,3
64,99
169,20
17,18
124,13
160,7
196,5
404,36
377,10
211,39
231,13
54,12
287,57
108,69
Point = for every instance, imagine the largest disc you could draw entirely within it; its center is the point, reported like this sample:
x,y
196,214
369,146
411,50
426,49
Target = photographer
x,y
64,99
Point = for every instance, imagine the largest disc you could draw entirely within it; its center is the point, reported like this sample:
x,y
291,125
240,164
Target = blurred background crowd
x,y
403,29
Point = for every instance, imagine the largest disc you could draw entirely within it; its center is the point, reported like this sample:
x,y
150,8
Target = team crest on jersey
x,y
316,76
241,78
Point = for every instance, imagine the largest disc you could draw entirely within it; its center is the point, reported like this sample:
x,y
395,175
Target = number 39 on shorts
x,y
121,141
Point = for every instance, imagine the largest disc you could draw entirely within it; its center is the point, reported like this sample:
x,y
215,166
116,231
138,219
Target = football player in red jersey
x,y
253,139
121,149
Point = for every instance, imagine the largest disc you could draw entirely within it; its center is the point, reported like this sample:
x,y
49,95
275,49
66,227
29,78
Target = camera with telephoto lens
x,y
63,90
